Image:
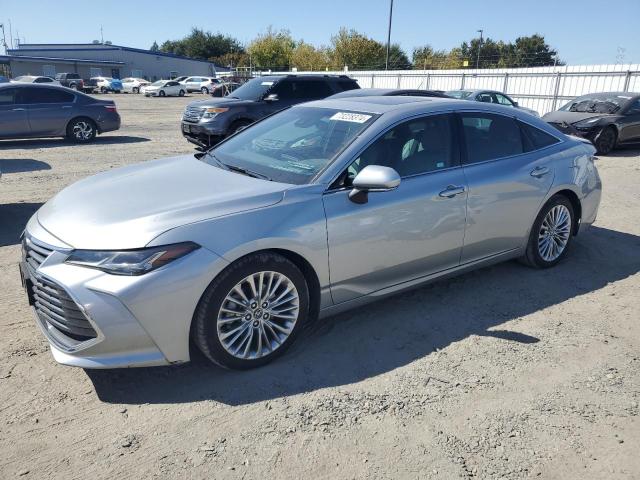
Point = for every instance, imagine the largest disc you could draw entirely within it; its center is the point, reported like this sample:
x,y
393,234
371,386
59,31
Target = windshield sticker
x,y
351,117
267,83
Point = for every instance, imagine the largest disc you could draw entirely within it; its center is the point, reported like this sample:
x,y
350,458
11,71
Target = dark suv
x,y
207,122
70,80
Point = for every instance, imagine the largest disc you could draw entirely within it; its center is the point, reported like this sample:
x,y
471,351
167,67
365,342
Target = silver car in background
x,y
317,209
489,96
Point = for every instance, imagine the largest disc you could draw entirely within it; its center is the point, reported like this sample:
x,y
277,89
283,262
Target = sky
x,y
583,32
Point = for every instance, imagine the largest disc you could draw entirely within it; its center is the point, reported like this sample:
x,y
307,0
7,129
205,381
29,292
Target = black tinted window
x,y
414,147
344,85
535,139
634,109
490,136
6,96
284,90
45,95
42,80
311,89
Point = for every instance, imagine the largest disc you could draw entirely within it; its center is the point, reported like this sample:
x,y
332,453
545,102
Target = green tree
x,y
426,58
356,51
398,59
201,44
272,49
154,47
306,57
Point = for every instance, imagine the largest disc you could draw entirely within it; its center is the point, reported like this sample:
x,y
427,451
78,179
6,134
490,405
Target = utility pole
x,y
4,40
101,35
10,34
479,48
386,64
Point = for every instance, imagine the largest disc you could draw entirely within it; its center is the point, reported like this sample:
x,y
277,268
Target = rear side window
x,y
46,95
43,80
311,89
7,95
488,137
534,138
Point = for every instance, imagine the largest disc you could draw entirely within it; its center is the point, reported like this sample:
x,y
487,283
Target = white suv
x,y
199,84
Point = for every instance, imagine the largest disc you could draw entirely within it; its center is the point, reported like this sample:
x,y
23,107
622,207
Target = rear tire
x,y
135,90
246,317
82,130
181,93
204,91
605,140
103,90
551,234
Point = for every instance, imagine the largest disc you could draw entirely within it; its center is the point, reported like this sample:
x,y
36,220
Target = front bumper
x,y
569,129
139,321
201,135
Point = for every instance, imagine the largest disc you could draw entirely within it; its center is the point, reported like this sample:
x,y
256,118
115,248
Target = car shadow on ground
x,y
13,218
28,144
20,165
394,332
626,151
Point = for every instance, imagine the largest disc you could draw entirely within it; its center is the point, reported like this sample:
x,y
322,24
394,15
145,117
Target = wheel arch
x,y
575,203
81,117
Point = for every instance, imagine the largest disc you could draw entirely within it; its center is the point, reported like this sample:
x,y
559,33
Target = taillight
x,y
111,108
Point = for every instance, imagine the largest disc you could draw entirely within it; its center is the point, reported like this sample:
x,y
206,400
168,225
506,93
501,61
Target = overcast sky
x,y
583,32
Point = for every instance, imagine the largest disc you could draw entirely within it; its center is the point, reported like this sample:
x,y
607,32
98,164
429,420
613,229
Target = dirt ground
x,y
506,372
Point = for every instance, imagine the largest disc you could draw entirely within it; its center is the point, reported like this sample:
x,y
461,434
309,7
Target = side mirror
x,y
272,97
515,104
373,178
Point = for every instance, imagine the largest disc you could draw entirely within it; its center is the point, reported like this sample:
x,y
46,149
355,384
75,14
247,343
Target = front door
x,y
630,124
407,233
13,115
508,178
48,109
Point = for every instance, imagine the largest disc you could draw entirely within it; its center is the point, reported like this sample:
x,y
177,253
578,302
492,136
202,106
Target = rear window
x,y
534,138
344,85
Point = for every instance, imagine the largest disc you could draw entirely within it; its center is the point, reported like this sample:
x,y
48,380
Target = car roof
x,y
33,85
367,92
378,104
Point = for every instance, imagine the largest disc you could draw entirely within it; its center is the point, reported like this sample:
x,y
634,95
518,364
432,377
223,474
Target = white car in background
x,y
163,88
133,85
200,84
35,79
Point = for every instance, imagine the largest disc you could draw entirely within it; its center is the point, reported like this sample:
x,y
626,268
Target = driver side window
x,y
415,147
634,109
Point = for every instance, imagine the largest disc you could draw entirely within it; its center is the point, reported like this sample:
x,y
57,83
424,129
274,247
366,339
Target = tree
x,y
306,57
427,58
272,49
154,47
356,51
201,44
232,59
398,59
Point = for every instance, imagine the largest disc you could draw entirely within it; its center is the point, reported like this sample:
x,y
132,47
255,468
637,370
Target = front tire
x,y
181,93
605,141
82,130
252,312
135,90
204,91
161,93
551,234
103,90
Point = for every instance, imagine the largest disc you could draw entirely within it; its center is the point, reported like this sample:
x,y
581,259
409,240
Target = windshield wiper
x,y
247,172
222,165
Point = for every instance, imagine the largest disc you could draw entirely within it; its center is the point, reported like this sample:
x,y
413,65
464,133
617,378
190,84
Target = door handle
x,y
451,191
539,172
66,106
17,109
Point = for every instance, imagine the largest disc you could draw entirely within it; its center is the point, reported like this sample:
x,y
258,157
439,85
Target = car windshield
x,y
461,94
599,103
21,78
254,89
159,83
291,146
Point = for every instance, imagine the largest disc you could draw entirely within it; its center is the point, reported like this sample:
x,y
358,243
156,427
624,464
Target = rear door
x,y
508,178
49,109
13,115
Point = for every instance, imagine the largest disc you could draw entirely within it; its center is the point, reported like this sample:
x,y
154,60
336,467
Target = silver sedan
x,y
315,210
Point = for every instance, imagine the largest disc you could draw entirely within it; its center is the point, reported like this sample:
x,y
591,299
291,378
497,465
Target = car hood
x,y
128,207
221,102
562,116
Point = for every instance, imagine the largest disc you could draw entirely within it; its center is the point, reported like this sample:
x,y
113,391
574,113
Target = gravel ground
x,y
505,372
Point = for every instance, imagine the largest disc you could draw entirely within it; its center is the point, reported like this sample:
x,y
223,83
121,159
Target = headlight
x,y
131,262
588,123
213,111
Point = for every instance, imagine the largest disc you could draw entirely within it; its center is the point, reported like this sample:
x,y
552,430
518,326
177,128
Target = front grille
x,y
34,254
54,306
192,114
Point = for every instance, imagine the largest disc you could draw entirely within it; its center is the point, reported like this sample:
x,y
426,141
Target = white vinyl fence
x,y
543,89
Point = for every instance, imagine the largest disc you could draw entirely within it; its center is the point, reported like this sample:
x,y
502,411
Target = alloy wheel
x,y
82,130
258,315
554,233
